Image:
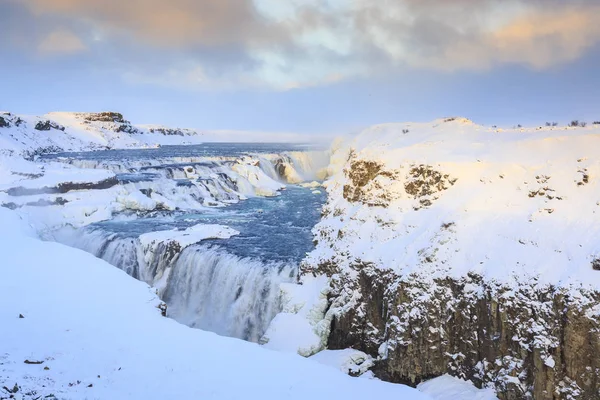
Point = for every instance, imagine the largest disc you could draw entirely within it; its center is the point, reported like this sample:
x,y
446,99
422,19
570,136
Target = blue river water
x,y
201,150
271,228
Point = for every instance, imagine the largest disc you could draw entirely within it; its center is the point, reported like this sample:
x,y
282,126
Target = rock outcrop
x,y
4,123
63,187
46,125
167,131
106,116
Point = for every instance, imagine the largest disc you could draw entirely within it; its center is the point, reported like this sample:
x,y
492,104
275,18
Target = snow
x,y
447,387
98,334
350,361
189,236
14,169
519,203
55,174
300,327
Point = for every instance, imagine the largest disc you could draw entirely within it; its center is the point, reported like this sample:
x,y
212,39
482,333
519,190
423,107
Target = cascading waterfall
x,y
211,289
296,166
309,165
205,285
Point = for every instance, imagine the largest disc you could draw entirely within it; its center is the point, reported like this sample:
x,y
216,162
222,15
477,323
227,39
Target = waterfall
x,y
211,289
204,286
295,166
309,165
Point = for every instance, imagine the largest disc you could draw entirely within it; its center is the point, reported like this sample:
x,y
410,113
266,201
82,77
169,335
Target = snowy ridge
x,y
61,131
498,203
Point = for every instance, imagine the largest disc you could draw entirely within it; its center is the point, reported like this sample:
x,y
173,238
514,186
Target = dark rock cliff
x,y
529,341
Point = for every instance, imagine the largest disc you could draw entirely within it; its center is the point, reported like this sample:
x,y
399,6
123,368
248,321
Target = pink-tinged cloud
x,y
61,41
548,38
165,23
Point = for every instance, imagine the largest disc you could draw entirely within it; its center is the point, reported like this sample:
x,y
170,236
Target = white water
x,y
204,286
211,289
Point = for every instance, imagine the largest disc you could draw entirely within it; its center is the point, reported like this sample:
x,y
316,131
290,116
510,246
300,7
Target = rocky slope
x,y
453,248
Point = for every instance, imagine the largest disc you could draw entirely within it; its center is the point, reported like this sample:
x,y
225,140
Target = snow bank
x,y
349,361
189,236
449,387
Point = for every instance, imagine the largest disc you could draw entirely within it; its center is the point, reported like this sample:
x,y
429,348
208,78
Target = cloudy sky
x,y
303,65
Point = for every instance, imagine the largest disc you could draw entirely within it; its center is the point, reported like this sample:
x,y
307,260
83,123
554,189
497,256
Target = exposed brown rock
x,y
106,116
364,186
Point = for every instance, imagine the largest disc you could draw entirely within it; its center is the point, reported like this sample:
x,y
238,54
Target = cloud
x,y
61,41
174,23
297,43
475,35
547,38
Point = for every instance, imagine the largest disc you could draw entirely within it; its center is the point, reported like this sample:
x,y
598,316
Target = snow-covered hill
x,y
29,136
62,131
449,247
447,196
